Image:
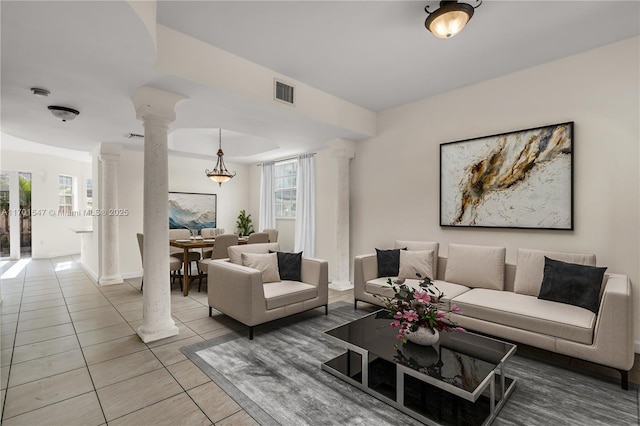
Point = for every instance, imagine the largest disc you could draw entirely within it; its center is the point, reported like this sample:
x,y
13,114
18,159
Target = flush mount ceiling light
x,y
220,173
63,113
450,18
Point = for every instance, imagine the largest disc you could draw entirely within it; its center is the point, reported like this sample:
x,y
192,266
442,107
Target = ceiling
x,y
93,56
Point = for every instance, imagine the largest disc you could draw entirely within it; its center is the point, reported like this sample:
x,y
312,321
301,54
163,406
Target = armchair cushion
x,y
265,263
284,293
413,263
572,284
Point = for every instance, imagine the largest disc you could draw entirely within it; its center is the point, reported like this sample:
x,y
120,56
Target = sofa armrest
x,y
316,272
365,268
613,334
229,283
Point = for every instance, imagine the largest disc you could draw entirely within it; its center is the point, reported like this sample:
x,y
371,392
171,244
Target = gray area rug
x,y
276,378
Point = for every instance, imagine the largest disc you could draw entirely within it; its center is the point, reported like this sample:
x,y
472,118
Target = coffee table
x,y
460,380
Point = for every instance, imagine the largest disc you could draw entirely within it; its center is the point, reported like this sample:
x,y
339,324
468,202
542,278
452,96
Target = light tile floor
x,y
70,355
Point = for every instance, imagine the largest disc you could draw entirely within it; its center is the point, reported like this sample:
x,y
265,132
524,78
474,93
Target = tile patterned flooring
x,y
70,355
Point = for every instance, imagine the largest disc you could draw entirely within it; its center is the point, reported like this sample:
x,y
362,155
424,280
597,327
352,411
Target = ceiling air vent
x,y
283,92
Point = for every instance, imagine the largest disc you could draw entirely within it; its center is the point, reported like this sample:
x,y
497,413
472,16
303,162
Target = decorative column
x,y
109,228
156,110
343,151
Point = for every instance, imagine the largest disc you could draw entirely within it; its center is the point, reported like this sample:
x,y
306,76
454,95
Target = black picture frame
x,y
521,179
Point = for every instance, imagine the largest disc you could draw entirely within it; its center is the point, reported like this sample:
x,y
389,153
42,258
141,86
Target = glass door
x,y
15,214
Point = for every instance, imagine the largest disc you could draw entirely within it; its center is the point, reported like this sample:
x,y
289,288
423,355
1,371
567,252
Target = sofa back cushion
x,y
235,252
423,246
476,266
530,268
414,262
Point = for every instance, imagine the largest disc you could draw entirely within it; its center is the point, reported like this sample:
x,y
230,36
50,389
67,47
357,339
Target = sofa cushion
x,y
421,246
416,262
235,252
283,293
528,313
572,283
388,262
289,265
476,266
265,263
380,287
530,267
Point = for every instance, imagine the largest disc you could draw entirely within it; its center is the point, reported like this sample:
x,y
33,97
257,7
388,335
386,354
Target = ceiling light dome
x,y
449,19
63,113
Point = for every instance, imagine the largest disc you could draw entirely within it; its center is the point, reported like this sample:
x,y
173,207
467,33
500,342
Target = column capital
x,y
342,149
109,158
156,104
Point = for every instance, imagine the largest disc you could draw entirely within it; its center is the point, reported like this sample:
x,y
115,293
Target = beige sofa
x,y
239,292
501,300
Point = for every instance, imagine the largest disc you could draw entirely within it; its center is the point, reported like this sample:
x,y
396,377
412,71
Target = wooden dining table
x,y
197,243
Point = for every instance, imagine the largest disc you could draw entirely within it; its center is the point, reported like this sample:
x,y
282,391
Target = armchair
x,y
239,291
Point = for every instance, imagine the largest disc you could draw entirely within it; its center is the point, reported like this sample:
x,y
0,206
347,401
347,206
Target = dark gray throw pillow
x,y
571,283
289,265
388,262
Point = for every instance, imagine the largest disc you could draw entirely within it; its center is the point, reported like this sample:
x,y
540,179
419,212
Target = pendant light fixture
x,y
220,173
450,18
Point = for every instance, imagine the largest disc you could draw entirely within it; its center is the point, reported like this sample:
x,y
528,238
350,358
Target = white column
x,y
109,229
343,151
156,109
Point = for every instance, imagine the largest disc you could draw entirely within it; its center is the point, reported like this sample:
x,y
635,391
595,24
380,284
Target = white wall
x,y
598,90
51,235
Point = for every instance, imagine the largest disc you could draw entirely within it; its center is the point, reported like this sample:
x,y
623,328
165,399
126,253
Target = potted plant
x,y
244,224
415,312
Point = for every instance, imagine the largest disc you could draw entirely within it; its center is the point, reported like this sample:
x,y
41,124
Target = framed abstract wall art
x,y
521,179
192,211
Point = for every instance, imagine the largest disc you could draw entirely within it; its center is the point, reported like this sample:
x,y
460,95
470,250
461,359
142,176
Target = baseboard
x,y
56,254
128,275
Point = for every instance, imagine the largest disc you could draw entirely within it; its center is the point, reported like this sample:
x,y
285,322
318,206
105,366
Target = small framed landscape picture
x,y
520,179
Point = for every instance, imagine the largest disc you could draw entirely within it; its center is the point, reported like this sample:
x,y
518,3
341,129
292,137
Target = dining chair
x,y
183,234
258,237
223,242
273,234
175,263
208,234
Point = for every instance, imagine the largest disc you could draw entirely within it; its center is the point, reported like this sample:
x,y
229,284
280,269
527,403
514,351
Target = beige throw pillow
x,y
416,262
265,263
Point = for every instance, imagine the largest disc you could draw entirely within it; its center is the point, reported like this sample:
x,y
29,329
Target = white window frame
x,y
89,198
285,187
66,189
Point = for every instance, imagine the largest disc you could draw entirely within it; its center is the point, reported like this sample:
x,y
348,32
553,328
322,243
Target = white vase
x,y
423,336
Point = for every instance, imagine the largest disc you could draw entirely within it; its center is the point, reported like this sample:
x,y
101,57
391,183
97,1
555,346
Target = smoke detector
x,y
63,113
40,92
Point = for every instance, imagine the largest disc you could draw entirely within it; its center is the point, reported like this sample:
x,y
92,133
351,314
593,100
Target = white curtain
x,y
267,218
305,206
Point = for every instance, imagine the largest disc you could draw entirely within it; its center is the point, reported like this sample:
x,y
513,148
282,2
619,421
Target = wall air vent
x,y
283,92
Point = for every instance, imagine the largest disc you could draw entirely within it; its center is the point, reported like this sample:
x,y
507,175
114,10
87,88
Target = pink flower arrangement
x,y
412,308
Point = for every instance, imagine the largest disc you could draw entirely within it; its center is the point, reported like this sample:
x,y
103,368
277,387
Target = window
x,y
89,194
65,203
285,188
